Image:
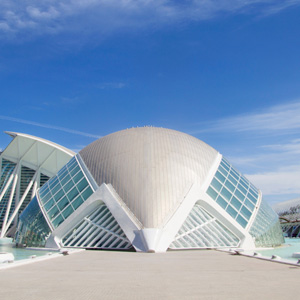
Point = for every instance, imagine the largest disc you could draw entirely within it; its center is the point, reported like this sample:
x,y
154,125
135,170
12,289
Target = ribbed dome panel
x,y
150,168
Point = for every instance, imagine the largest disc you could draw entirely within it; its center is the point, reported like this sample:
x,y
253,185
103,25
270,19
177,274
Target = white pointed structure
x,y
25,165
149,189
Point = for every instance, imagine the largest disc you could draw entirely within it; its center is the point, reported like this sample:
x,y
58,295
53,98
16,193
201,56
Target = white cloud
x,y
111,85
283,181
39,17
49,126
278,118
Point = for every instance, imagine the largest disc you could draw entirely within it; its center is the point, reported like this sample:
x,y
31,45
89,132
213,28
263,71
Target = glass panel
x,y
241,221
68,211
223,171
49,204
63,203
87,193
65,180
53,212
246,213
58,195
55,189
234,175
220,176
33,230
242,189
58,221
232,180
254,200
68,186
72,194
221,202
74,171
216,184
236,203
77,202
249,204
231,211
239,195
212,193
229,186
82,184
226,194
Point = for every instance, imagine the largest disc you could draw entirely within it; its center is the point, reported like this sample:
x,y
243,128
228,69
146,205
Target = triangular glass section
x,y
99,230
202,230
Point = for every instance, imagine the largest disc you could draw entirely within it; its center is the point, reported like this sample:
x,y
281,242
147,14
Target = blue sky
x,y
226,72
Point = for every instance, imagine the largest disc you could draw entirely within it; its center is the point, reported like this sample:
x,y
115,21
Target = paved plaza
x,y
198,274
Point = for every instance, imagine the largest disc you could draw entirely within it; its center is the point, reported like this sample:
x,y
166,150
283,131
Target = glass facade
x,y
64,193
26,176
202,230
234,193
33,229
99,230
266,229
7,169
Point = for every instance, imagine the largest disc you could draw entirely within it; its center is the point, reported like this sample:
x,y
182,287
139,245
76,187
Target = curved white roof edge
x,y
62,148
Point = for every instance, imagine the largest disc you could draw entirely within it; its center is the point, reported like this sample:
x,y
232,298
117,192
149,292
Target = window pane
x,y
242,189
65,180
246,212
220,176
82,184
88,192
68,211
234,182
241,221
72,194
249,204
53,212
216,184
221,202
63,203
58,195
58,221
77,177
212,193
231,211
229,186
236,203
77,202
239,195
254,200
68,186
226,194
49,204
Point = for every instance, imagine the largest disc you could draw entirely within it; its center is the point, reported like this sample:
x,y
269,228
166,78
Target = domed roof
x,y
151,169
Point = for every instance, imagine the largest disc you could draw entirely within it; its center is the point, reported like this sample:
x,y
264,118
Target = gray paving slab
x,y
172,275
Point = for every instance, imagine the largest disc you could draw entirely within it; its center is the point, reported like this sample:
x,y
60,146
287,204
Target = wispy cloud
x,y
265,145
7,118
277,118
40,17
111,85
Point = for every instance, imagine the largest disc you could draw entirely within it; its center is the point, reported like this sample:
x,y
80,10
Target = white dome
x,y
151,169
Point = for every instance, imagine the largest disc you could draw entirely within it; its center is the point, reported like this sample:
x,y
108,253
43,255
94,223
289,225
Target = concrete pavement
x,y
205,274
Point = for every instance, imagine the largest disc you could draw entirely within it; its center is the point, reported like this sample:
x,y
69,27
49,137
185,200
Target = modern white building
x,y
289,215
149,189
25,165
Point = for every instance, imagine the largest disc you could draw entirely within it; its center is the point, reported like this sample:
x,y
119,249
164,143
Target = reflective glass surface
x,y
233,192
33,229
202,230
65,192
266,229
7,169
